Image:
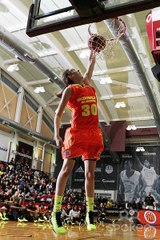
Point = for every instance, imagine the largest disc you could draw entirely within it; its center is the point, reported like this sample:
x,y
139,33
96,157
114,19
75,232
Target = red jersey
x,y
83,106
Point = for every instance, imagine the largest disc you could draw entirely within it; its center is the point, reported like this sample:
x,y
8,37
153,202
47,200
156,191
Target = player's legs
x,y
63,176
66,170
90,154
90,166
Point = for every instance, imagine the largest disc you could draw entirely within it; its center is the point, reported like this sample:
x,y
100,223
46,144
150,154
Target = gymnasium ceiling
x,y
67,48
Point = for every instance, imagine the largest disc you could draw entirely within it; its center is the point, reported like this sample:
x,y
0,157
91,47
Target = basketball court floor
x,y
34,231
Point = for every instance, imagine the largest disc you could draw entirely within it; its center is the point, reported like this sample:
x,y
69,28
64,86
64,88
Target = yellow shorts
x,y
87,143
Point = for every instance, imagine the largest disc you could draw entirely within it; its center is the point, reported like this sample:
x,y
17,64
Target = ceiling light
x,y
128,128
134,127
108,80
123,105
117,105
39,90
131,127
13,67
105,80
36,90
102,81
140,149
120,105
137,149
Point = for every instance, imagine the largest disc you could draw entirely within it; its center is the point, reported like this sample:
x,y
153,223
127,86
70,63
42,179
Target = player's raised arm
x,y
89,73
96,44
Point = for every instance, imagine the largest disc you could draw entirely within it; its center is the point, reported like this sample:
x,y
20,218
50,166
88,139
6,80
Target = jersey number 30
x,y
88,110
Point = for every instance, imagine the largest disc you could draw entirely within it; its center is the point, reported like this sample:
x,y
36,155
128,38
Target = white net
x,y
101,44
111,42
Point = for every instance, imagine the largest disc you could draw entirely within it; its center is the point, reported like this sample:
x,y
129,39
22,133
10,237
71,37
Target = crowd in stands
x,y
27,195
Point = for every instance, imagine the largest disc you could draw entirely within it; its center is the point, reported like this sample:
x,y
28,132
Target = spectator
x,y
18,211
32,212
149,202
74,215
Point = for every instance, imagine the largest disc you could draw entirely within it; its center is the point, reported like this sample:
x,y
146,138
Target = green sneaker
x,y
20,220
45,218
56,223
5,218
40,220
90,221
25,220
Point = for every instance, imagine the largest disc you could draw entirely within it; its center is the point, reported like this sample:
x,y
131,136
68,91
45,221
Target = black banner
x,y
24,153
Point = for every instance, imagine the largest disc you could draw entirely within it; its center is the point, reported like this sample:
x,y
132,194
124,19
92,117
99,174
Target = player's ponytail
x,y
67,81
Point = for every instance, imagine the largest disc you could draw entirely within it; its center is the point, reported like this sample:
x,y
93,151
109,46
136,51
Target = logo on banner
x,y
150,217
150,232
109,169
149,18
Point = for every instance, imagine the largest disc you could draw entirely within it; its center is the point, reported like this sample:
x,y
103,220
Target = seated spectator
x,y
65,214
18,211
32,213
4,212
74,215
42,213
149,202
82,209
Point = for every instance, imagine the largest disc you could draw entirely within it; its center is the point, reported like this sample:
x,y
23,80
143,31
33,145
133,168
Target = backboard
x,y
52,15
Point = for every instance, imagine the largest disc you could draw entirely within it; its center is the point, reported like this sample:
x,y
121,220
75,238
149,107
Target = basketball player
x,y
129,182
83,138
147,177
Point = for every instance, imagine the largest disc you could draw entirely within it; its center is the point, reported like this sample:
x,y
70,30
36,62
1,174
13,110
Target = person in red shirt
x,y
83,138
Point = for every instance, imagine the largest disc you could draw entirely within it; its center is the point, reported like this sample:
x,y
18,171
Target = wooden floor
x,y
35,231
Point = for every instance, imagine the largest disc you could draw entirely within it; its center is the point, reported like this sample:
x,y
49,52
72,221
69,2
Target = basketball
x,y
96,43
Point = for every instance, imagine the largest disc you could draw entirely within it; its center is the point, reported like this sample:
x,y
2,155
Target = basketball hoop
x,y
98,43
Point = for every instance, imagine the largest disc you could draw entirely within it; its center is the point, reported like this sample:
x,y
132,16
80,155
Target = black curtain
x,y
24,154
